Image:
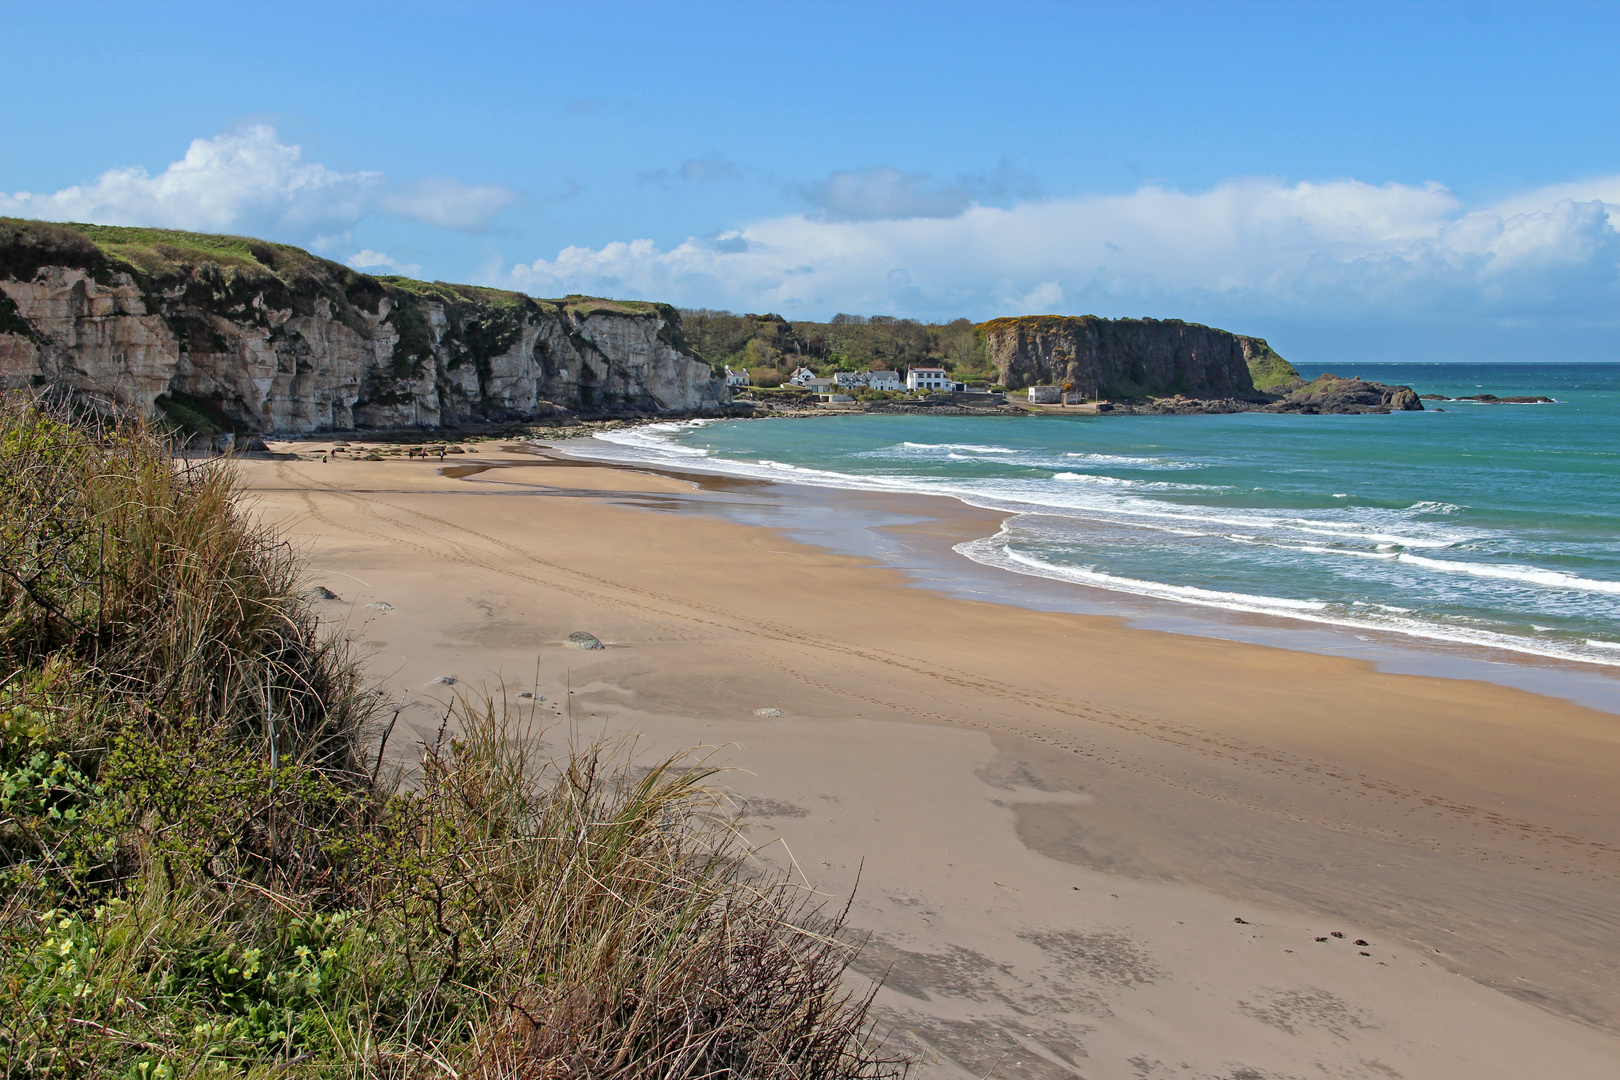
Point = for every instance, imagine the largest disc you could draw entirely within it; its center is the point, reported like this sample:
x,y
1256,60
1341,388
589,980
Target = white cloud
x,y
448,204
1246,247
884,193
366,259
879,193
251,181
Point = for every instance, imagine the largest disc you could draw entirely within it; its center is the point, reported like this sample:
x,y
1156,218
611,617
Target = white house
x,y
877,380
1045,395
801,377
737,378
930,378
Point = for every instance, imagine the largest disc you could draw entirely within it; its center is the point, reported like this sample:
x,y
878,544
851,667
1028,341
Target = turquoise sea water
x,y
1495,526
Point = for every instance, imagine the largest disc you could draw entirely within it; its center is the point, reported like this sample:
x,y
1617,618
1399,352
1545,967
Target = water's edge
x,y
887,528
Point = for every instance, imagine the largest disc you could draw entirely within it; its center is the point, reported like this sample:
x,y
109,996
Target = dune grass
x,y
207,870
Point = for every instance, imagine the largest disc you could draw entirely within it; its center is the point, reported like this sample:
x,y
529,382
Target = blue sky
x,y
1355,181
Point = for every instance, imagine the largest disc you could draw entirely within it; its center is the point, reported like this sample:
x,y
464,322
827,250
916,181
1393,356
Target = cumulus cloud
x,y
1247,247
251,181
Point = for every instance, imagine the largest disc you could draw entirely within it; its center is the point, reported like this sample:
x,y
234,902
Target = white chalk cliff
x,y
272,339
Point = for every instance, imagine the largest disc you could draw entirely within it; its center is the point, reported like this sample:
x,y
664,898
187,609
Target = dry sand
x,y
1082,849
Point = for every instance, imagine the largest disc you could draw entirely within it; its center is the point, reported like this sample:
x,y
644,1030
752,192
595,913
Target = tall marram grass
x,y
205,871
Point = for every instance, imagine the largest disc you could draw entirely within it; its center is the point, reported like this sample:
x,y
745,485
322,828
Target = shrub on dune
x,y
206,869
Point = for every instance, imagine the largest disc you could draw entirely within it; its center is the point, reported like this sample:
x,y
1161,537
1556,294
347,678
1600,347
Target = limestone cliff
x,y
1132,358
269,338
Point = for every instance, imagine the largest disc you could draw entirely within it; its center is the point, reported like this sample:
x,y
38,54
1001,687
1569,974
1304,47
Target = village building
x,y
876,380
737,378
931,378
801,377
1045,395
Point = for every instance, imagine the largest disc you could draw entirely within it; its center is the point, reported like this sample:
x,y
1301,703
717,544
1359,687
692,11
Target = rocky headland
x,y
233,334
1166,366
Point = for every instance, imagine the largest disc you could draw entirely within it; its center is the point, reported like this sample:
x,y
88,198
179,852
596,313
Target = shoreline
x,y
1067,832
1589,682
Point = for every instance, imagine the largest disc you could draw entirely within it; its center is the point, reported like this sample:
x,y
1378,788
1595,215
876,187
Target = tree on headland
x,y
845,343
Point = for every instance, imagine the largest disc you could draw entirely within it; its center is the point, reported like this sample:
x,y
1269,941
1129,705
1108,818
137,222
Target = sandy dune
x,y
1083,850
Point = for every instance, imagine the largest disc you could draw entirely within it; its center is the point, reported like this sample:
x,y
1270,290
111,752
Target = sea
x,y
1487,530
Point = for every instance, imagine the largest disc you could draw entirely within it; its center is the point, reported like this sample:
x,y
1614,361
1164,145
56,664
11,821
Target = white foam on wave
x,y
1126,461
659,438
972,447
1093,478
1161,590
1532,575
997,552
1105,499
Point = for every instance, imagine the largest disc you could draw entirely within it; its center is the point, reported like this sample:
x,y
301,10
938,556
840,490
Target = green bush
x,y
206,870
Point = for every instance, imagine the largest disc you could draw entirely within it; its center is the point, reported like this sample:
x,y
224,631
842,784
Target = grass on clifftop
x,y
25,245
204,869
1267,370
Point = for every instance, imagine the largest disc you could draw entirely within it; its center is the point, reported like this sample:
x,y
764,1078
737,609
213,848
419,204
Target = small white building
x,y
801,377
931,378
1045,395
737,378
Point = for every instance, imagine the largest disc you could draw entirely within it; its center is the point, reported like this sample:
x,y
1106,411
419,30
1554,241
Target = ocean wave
x,y
1092,497
1126,461
1137,485
1161,590
997,552
1533,575
658,437
974,447
1093,478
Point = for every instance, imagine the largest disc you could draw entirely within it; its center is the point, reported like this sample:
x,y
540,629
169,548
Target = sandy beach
x,y
1082,849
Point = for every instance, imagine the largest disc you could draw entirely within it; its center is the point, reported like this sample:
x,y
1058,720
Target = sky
x,y
1355,182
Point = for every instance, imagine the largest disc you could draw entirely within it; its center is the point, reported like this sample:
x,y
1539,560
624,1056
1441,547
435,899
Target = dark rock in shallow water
x,y
1433,397
579,639
1492,399
1331,394
1327,394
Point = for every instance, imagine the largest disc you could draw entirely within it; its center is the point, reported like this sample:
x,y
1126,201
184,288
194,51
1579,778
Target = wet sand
x,y
1056,819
